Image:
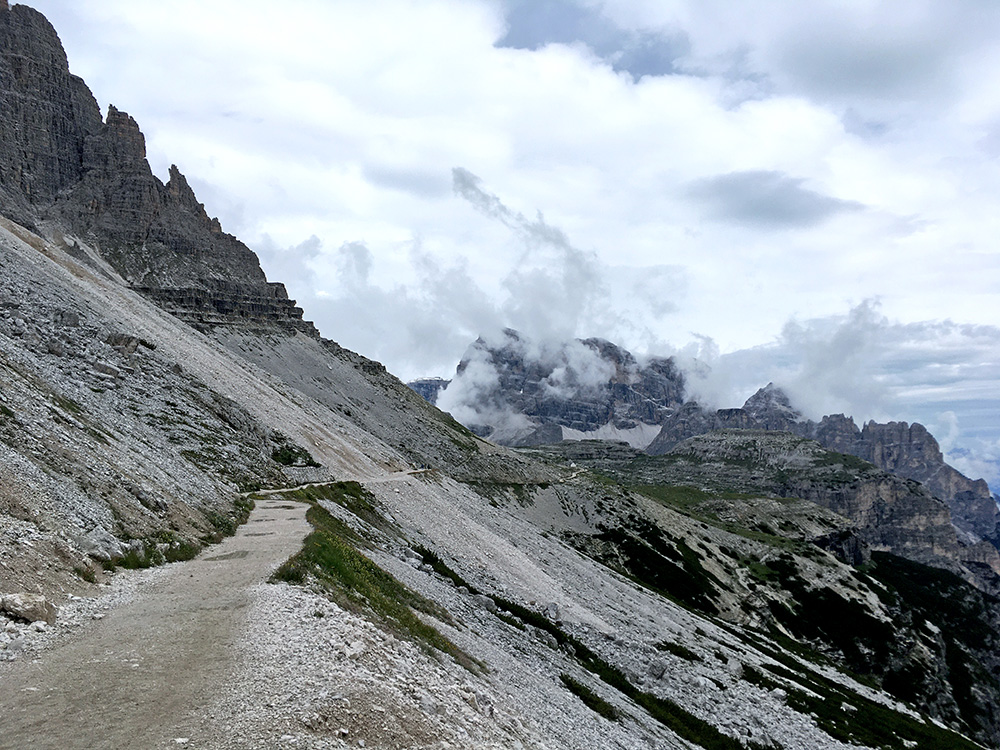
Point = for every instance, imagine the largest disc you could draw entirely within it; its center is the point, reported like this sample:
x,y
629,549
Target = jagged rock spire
x,y
64,165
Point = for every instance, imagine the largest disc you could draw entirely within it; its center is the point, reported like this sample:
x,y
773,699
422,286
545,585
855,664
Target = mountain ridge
x,y
517,391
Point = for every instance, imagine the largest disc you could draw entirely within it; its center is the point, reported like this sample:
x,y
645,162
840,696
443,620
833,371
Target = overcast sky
x,y
799,192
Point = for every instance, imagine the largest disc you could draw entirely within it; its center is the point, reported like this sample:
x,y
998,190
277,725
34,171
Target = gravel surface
x,y
131,676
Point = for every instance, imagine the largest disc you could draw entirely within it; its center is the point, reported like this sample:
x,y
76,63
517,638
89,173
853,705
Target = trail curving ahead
x,y
137,677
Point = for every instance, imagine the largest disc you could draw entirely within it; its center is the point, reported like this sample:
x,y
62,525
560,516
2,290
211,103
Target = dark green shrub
x,y
293,455
592,700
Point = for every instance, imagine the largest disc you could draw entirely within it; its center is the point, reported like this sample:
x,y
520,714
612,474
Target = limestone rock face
x,y
61,163
905,450
911,451
47,114
892,513
582,386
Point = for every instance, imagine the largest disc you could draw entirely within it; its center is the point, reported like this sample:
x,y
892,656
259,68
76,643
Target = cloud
x,y
532,24
421,183
564,370
416,326
554,289
844,57
865,365
765,199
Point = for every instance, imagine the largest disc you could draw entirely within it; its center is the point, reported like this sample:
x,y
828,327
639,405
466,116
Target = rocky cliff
x,y
66,170
583,387
908,451
429,388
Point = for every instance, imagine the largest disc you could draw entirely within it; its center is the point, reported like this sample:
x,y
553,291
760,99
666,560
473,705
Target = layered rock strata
x,y
906,450
65,168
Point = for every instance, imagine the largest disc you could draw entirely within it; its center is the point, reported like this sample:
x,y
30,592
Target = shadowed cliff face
x,y
62,165
47,114
522,392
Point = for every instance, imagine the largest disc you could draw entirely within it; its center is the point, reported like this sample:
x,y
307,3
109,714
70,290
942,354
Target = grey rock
x,y
583,386
485,601
100,544
29,607
429,388
657,669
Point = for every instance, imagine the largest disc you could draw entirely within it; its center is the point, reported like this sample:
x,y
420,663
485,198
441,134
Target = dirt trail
x,y
137,677
396,476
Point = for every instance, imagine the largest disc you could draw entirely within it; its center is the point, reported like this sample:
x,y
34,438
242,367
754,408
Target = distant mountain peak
x,y
771,403
520,391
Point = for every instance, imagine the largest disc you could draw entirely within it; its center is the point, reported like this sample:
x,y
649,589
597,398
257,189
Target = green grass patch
x,y
592,700
523,494
669,566
222,525
181,551
441,567
677,650
357,584
692,502
293,455
148,556
354,498
85,573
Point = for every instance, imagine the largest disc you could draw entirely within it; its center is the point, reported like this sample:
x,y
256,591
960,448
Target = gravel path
x,y
134,676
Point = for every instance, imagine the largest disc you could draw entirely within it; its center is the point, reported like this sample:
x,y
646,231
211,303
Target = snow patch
x,y
638,437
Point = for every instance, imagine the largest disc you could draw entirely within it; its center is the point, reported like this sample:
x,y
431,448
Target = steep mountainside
x,y
454,592
909,451
517,392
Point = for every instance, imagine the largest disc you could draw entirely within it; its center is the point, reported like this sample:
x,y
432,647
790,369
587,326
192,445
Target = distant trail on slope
x,y
395,476
136,678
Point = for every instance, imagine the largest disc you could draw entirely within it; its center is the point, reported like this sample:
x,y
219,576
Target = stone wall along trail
x,y
137,677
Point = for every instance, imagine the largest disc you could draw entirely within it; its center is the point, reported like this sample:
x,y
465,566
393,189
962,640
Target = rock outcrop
x,y
570,390
912,452
908,451
64,168
429,388
29,608
892,513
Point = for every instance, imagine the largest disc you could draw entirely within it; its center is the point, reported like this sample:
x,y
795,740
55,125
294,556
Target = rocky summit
x,y
909,451
518,392
220,530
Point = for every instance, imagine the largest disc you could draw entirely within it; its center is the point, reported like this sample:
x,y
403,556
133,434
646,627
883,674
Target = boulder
x,y
29,607
486,602
101,544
